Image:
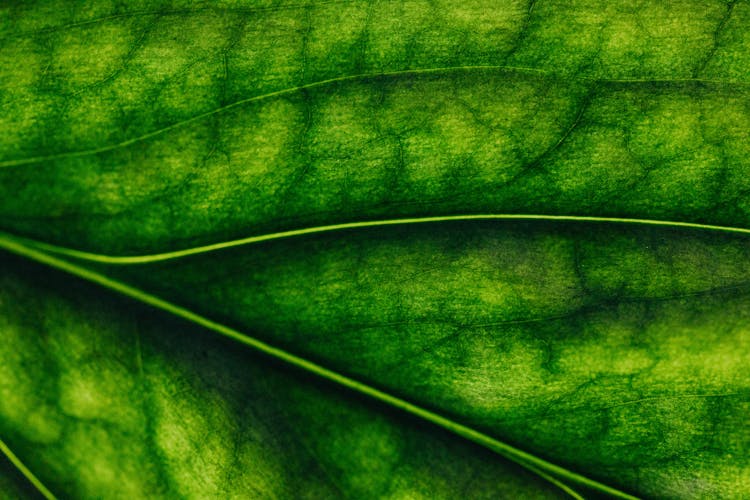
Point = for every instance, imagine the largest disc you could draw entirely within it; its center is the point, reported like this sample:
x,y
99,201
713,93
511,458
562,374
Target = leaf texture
x,y
191,113
523,222
122,402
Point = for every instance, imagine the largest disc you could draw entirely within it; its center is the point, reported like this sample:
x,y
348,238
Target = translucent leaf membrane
x,y
618,351
152,128
105,398
615,351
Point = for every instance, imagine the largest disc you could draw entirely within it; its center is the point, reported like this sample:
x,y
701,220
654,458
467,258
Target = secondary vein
x,y
346,78
213,247
522,458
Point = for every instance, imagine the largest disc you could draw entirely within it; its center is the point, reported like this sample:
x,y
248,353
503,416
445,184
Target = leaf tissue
x,y
375,249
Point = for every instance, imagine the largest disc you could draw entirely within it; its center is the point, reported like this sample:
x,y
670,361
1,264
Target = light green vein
x,y
25,471
524,459
347,78
552,479
156,257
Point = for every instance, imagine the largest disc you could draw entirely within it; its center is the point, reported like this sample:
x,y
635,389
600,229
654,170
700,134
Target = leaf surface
x,y
124,402
154,130
619,351
525,223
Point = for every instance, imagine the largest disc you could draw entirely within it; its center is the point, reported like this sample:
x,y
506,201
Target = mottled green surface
x,y
617,351
149,129
620,352
104,398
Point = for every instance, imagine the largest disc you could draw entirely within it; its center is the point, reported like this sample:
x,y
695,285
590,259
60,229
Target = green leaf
x,y
123,402
524,224
163,129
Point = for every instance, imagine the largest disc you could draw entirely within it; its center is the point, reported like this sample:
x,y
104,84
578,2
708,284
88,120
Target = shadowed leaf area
x,y
13,484
593,358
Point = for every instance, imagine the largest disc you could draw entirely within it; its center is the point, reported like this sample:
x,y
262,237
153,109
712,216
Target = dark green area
x,y
617,351
13,484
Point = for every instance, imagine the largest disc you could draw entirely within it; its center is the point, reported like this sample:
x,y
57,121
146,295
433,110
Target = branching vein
x,y
556,474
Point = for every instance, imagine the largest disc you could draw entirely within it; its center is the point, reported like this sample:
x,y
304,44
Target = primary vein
x,y
522,458
176,254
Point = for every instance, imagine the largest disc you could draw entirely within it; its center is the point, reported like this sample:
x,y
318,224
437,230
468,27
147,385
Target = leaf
x,y
524,224
154,146
122,405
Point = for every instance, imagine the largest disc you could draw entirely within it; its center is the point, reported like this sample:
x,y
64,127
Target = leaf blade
x,y
516,455
175,136
290,435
